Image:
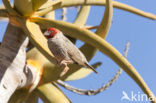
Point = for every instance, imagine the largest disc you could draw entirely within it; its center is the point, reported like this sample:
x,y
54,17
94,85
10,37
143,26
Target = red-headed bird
x,y
64,50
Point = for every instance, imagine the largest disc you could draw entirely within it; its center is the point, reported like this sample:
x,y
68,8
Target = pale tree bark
x,y
13,74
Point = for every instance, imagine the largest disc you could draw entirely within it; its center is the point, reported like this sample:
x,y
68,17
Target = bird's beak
x,y
46,33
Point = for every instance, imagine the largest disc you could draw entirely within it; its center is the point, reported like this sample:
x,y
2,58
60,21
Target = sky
x,y
141,34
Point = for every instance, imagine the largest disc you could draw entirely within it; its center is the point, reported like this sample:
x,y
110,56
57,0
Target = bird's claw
x,y
64,65
65,70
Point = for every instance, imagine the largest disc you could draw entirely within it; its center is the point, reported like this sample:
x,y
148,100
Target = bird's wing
x,y
74,53
57,49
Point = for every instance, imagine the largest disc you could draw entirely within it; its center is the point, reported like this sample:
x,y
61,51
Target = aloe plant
x,y
40,73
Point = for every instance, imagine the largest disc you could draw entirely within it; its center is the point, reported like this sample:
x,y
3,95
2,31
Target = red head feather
x,y
52,32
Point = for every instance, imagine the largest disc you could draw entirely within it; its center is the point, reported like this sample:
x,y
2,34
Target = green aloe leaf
x,y
67,3
9,7
82,16
102,30
106,22
3,13
50,93
39,3
28,7
24,7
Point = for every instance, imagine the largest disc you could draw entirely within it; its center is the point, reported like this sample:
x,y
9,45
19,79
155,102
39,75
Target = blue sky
x,y
141,34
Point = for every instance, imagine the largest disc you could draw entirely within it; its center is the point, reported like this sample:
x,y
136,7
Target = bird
x,y
64,50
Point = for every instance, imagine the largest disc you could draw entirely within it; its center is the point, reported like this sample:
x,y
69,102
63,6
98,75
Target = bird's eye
x,y
50,31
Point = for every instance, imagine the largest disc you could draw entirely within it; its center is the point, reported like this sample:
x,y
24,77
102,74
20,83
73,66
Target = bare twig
x,y
64,14
99,90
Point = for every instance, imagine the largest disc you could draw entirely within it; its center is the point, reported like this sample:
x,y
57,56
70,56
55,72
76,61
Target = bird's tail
x,y
91,67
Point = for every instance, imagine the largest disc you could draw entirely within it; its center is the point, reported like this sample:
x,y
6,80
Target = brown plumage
x,y
64,50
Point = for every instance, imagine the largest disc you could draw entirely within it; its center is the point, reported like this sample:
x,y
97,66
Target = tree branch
x,y
14,74
12,61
